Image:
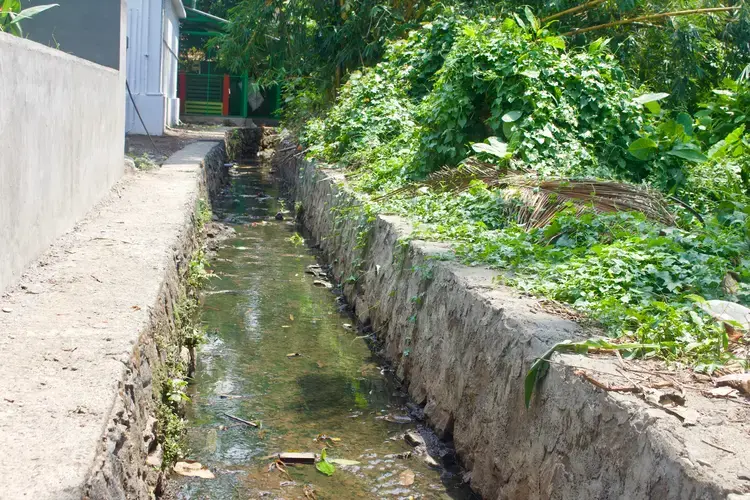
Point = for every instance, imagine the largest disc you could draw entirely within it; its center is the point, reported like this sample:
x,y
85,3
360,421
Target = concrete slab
x,y
69,327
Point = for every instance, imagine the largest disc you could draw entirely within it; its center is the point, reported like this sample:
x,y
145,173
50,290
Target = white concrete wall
x,y
170,60
61,146
153,48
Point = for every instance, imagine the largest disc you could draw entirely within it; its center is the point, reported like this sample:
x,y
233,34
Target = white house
x,y
153,38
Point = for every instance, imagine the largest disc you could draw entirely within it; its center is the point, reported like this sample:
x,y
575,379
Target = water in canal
x,y
261,307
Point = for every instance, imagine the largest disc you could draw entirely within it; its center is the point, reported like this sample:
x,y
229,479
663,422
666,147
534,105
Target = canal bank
x,y
463,344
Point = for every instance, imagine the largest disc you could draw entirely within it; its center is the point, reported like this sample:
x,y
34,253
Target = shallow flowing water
x,y
261,308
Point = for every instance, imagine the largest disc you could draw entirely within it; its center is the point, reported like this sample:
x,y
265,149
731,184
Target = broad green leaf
x,y
688,154
533,21
32,11
531,73
343,461
324,465
540,366
653,107
686,121
495,148
11,6
646,98
557,42
598,44
512,116
536,373
642,148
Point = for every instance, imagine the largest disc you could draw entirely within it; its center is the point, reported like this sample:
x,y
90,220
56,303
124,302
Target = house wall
x,y
153,35
62,137
171,53
89,29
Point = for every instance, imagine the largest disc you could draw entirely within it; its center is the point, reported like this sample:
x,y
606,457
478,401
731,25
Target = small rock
x,y
279,216
7,310
155,458
431,462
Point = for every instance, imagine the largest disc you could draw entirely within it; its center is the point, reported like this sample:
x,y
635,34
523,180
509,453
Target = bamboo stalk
x,y
651,17
573,10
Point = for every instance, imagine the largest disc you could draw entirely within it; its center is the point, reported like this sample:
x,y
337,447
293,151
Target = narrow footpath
x,y
75,382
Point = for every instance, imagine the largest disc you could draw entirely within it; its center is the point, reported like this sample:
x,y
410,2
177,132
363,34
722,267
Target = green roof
x,y
201,22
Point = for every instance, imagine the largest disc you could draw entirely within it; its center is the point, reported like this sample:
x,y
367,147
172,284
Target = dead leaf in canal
x,y
322,438
320,364
291,317
285,326
309,492
193,469
406,478
293,355
343,461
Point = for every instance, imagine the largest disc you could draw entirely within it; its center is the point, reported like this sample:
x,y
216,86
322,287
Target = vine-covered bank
x,y
575,163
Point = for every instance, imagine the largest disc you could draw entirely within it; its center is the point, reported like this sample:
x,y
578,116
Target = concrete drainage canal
x,y
284,377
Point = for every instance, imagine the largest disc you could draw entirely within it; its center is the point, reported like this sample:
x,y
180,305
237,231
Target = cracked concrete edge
x,y
464,353
120,471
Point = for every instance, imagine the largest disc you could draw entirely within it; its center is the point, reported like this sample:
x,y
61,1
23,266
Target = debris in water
x,y
406,478
343,461
431,462
238,419
193,469
291,317
324,465
322,438
413,438
279,216
322,283
396,419
297,458
309,492
293,355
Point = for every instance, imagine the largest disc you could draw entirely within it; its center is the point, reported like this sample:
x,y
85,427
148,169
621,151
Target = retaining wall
x,y
62,140
88,338
462,345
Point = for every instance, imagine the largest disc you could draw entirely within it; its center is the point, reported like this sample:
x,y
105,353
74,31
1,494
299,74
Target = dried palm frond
x,y
455,179
541,199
